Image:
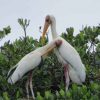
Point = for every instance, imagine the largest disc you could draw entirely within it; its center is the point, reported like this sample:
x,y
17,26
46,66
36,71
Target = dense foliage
x,y
48,80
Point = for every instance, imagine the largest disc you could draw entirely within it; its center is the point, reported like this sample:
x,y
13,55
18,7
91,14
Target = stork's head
x,y
49,19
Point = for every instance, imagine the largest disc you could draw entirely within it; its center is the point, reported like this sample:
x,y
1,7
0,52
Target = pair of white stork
x,y
66,54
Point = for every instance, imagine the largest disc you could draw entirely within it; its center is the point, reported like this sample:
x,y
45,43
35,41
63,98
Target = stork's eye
x,y
47,20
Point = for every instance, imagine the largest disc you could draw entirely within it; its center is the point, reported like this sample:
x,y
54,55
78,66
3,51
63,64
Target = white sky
x,y
68,13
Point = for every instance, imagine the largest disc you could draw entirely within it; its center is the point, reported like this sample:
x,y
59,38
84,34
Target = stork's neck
x,y
44,49
53,30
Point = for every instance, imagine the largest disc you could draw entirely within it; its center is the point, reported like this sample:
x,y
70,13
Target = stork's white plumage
x,y
29,62
66,53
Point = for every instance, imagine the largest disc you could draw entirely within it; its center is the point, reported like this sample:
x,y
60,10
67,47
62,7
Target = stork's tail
x,y
11,70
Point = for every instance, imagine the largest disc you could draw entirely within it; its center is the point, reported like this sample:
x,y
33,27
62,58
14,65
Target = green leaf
x,y
5,96
17,94
39,97
47,94
62,93
57,94
68,94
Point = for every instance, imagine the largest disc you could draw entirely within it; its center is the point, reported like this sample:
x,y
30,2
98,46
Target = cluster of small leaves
x,y
5,32
24,23
48,78
84,92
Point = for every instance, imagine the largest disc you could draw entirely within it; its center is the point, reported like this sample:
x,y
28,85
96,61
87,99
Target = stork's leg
x,y
31,86
27,90
66,73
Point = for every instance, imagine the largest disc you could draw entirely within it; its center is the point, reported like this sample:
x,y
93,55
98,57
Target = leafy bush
x,y
48,79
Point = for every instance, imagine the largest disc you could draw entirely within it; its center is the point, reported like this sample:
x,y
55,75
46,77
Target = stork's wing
x,y
70,55
26,64
11,70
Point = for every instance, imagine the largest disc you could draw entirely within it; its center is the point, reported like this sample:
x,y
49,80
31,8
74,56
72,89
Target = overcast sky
x,y
68,13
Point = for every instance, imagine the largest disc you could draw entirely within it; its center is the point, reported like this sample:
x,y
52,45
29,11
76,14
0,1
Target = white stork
x,y
67,55
29,62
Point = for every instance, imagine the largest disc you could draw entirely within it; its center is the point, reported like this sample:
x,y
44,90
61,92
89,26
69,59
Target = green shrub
x,y
48,81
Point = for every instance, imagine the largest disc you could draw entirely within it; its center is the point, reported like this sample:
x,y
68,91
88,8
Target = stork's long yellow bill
x,y
46,25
